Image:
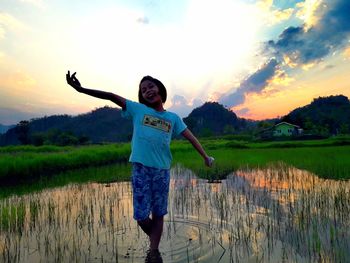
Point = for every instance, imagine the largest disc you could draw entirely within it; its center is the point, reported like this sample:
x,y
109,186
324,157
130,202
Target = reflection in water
x,y
271,215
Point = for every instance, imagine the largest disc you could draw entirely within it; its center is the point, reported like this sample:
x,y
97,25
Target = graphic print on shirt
x,y
157,123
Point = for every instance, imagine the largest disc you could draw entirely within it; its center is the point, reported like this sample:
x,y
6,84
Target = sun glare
x,y
212,40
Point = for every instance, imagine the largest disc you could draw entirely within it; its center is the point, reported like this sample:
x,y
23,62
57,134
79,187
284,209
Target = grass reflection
x,y
273,214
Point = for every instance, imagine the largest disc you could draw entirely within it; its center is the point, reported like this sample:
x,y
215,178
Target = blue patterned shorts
x,y
150,191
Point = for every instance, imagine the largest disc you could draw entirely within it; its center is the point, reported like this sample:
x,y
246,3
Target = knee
x,y
157,219
143,222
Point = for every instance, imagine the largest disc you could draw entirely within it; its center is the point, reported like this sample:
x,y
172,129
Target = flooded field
x,y
279,214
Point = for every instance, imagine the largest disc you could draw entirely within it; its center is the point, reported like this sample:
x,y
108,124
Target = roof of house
x,y
283,122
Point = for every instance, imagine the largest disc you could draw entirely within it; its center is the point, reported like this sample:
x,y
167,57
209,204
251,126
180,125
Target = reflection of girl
x,y
150,156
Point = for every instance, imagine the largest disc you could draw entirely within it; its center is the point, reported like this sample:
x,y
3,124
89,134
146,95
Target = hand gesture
x,y
73,81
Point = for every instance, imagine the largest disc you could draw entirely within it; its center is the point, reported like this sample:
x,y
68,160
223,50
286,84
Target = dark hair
x,y
159,84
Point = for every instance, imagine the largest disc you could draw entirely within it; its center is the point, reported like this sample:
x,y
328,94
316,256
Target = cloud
x,y
328,67
347,52
265,4
197,103
17,82
143,20
178,100
308,45
281,15
37,3
19,91
9,23
309,11
182,106
9,116
242,111
255,83
12,31
2,32
274,15
281,78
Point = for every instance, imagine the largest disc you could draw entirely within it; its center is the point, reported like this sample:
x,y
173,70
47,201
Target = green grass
x,y
25,163
328,158
35,149
234,142
104,174
12,217
327,162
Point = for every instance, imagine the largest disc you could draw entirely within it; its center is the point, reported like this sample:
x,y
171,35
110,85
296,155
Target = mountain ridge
x,y
324,115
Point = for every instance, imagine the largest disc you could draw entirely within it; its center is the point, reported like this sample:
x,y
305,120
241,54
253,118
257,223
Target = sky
x,y
259,58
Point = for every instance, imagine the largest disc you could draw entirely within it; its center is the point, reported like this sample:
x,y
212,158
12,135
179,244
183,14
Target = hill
x,y
5,128
106,125
324,115
101,125
214,119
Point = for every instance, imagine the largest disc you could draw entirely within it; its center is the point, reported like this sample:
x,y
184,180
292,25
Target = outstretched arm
x,y
196,144
74,82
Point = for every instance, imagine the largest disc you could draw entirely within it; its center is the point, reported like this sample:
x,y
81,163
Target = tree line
x,y
324,116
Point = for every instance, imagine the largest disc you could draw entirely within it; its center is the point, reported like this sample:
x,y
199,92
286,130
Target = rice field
x,y
23,164
275,213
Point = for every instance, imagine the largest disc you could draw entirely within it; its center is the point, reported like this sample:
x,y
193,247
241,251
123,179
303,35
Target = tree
x,y
344,129
66,138
262,125
206,132
37,139
229,129
22,131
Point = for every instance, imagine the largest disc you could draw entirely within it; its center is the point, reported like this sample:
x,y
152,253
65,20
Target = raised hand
x,y
73,81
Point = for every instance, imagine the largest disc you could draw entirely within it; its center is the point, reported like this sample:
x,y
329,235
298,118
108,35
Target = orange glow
x,y
272,180
307,66
287,60
278,100
347,52
215,187
281,78
32,75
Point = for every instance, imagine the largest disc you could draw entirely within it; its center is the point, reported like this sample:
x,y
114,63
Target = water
x,y
279,214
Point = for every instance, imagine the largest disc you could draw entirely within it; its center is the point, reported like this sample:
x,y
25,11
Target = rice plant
x,y
276,213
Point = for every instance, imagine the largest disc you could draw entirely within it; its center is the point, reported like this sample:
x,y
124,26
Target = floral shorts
x,y
150,191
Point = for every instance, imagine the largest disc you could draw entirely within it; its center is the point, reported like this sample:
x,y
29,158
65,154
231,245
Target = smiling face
x,y
150,92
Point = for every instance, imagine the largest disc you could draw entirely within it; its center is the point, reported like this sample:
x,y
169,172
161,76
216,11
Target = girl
x,y
153,127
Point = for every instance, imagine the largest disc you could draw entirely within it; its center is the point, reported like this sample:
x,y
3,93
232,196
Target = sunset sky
x,y
262,58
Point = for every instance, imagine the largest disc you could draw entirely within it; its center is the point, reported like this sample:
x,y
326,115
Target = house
x,y
286,129
281,129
